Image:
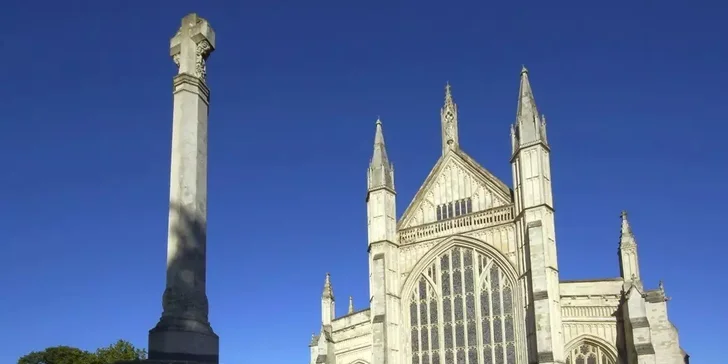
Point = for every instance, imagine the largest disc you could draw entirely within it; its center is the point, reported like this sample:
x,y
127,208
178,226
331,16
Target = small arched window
x,y
588,353
454,209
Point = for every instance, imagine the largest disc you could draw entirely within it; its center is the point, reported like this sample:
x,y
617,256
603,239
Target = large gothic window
x,y
586,353
461,312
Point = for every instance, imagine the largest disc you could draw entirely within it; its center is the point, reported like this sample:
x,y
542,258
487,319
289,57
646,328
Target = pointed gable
x,y
456,185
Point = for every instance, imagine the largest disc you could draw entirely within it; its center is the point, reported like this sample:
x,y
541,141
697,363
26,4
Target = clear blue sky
x,y
635,95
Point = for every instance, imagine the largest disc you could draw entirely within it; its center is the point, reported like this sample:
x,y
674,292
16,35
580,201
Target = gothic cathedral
x,y
469,273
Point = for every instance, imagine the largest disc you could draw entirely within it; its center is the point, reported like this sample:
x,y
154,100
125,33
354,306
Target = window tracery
x,y
462,312
588,353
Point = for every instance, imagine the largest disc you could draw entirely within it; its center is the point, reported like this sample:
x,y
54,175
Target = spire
x,y
449,121
381,172
526,101
351,305
328,290
380,151
328,303
628,258
661,291
626,237
314,340
530,126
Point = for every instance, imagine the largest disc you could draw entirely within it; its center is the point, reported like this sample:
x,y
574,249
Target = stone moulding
x,y
183,79
588,311
478,220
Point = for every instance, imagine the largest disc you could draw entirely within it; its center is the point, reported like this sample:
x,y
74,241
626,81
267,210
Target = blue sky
x,y
634,93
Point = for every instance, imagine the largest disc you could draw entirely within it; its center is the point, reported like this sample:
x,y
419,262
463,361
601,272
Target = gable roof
x,y
473,168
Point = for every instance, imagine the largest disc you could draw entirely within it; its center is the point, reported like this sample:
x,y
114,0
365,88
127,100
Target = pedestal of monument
x,y
183,334
178,340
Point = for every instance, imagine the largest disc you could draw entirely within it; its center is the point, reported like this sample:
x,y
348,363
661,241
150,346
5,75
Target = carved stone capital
x,y
191,45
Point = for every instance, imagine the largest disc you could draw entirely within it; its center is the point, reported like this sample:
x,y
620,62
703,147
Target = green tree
x,y
35,357
59,355
118,351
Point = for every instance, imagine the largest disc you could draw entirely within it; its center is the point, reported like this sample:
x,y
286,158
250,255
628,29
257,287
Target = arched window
x,y
588,353
461,312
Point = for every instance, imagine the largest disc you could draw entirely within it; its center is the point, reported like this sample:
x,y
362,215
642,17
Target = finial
x,y
379,120
626,231
661,286
351,305
328,290
523,69
449,121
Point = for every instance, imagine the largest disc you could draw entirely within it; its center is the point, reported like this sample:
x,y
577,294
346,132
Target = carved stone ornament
x,y
203,51
449,129
449,116
193,42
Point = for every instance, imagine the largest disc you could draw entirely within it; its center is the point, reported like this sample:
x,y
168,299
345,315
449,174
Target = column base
x,y
183,341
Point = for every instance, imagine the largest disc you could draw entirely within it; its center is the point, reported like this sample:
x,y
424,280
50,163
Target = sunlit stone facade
x,y
469,273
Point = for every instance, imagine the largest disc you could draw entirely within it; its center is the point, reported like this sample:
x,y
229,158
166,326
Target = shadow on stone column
x,y
184,332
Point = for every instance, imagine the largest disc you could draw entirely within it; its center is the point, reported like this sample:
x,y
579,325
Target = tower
x,y
535,224
322,346
637,301
383,254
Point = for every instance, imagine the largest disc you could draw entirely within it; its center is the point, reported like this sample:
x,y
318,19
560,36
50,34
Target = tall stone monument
x,y
183,333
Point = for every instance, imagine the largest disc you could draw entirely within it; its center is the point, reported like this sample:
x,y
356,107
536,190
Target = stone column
x,y
183,332
545,299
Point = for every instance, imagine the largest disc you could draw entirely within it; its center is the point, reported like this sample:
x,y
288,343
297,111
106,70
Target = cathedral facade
x,y
469,273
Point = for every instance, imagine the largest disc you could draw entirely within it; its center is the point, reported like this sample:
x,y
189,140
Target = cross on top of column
x,y
191,46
